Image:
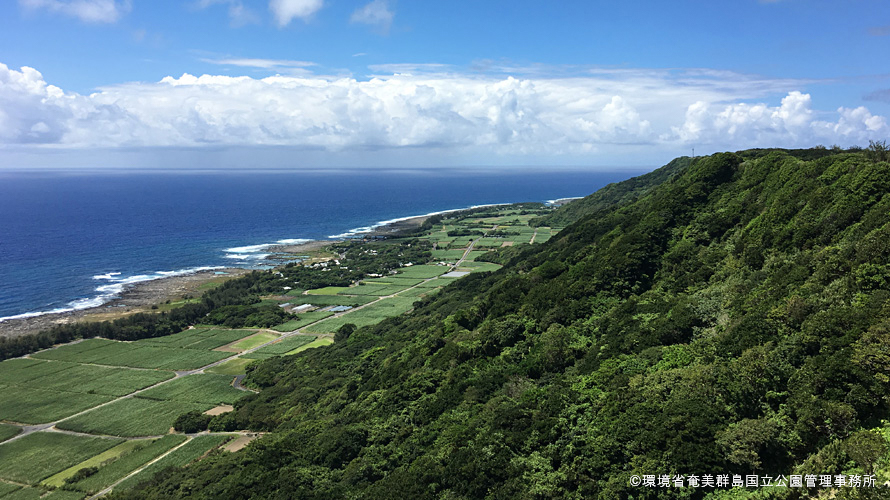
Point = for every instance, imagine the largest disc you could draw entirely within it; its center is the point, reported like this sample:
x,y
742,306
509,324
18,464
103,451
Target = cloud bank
x,y
502,115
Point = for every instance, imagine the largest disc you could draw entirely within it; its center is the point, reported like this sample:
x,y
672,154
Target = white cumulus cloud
x,y
377,13
286,11
791,124
91,11
579,116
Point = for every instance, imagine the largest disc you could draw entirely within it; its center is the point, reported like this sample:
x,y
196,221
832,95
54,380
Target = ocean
x,y
75,240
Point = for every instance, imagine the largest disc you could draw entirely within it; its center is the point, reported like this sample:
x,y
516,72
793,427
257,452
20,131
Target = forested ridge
x,y
731,318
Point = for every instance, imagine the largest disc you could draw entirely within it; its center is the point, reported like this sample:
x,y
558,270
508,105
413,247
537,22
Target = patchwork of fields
x,y
105,408
115,403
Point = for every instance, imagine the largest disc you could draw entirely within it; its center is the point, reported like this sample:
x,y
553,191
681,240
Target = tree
x,y
344,332
878,150
191,422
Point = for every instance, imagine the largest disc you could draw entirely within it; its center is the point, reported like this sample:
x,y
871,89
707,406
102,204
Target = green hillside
x,y
731,318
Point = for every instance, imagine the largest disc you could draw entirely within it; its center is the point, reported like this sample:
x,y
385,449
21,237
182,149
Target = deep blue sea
x,y
74,240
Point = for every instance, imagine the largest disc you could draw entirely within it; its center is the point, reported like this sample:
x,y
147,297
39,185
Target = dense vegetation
x,y
726,315
733,318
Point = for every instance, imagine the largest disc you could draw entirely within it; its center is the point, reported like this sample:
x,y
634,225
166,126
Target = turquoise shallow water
x,y
74,240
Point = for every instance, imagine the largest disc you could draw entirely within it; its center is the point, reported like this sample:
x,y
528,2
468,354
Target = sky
x,y
180,84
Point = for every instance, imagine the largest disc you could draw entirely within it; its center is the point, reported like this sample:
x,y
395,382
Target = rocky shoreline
x,y
138,297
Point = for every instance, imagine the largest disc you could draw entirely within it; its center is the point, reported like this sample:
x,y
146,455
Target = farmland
x,y
8,431
37,456
251,342
302,320
318,342
132,417
58,480
145,451
231,367
281,347
137,355
37,406
211,389
190,451
115,389
368,315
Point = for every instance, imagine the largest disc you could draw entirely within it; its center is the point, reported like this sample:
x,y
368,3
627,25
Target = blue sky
x,y
294,83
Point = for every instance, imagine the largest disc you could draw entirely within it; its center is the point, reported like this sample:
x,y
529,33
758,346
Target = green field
x,y
111,472
231,367
140,355
210,389
447,255
475,253
198,338
58,480
92,379
436,282
302,320
132,417
35,406
17,371
25,493
37,456
334,300
6,488
368,315
281,347
185,454
394,280
379,290
28,493
489,242
8,431
481,266
75,347
253,341
318,342
424,272
417,292
329,290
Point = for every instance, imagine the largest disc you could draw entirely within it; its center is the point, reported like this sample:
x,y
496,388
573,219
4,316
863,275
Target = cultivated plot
x,y
231,367
207,388
255,340
112,471
58,480
281,348
334,300
37,456
35,406
368,315
132,417
7,431
302,320
185,454
447,255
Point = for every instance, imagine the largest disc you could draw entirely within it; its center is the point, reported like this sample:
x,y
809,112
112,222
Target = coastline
x,y
135,298
142,295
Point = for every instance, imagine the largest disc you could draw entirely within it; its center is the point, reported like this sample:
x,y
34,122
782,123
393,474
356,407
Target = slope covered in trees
x,y
732,319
